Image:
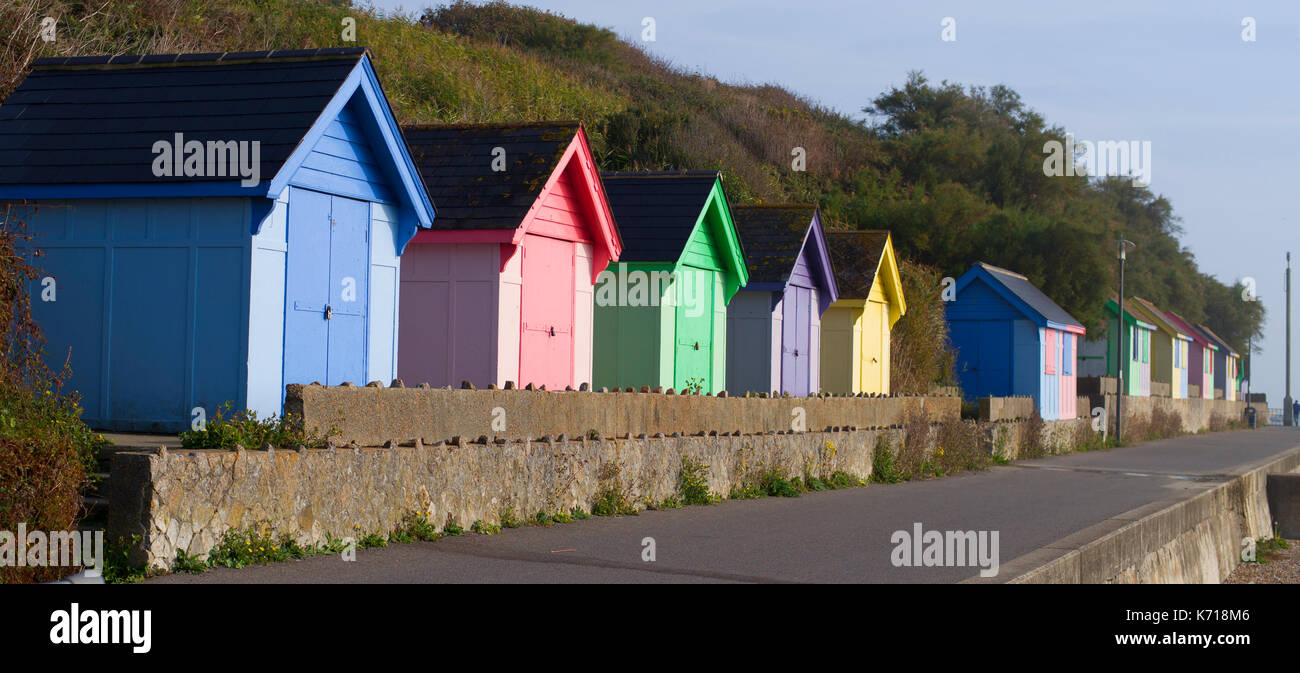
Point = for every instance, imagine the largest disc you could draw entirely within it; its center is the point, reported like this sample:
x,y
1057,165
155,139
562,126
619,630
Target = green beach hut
x,y
661,310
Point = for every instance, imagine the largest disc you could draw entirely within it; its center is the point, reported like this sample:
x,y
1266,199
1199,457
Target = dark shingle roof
x,y
93,120
1216,339
772,236
1153,314
456,164
656,211
1031,295
855,255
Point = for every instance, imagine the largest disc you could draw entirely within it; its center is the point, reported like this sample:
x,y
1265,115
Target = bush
x,y
775,484
911,460
1033,444
225,431
959,446
46,452
883,470
920,351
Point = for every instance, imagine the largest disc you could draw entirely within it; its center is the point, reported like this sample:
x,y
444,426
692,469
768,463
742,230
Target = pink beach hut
x,y
501,289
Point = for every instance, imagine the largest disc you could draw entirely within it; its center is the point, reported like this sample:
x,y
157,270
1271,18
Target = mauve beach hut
x,y
856,327
500,289
1227,363
661,310
212,226
1012,339
1200,360
774,324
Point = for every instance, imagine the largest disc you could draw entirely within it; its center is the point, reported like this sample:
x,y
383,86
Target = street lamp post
x,y
1287,417
1124,247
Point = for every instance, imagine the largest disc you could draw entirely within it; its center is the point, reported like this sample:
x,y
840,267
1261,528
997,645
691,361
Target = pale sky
x,y
1220,112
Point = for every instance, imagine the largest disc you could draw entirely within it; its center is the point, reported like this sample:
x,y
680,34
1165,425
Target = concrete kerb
x,y
1125,547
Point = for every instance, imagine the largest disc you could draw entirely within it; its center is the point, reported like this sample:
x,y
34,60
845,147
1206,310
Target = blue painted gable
x,y
176,296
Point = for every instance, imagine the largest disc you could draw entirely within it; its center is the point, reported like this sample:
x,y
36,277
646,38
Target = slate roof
x,y
1217,340
1187,328
855,256
1031,295
772,236
93,120
456,163
1155,315
656,211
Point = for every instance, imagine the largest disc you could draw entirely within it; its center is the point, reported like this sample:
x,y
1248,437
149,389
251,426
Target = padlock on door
x,y
329,312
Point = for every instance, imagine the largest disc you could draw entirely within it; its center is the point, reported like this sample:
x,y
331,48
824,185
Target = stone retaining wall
x,y
372,415
1015,440
1196,413
186,500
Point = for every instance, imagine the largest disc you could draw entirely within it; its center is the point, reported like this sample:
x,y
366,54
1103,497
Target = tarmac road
x,y
832,536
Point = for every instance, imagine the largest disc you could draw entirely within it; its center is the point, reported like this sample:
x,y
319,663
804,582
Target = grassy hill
x,y
954,173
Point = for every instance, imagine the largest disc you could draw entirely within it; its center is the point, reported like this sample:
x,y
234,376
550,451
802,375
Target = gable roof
x,y
456,162
86,126
478,202
1189,330
774,236
1149,311
855,256
1217,340
657,211
859,258
1024,295
1112,305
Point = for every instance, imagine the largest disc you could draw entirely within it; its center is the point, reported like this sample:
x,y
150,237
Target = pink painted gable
x,y
572,206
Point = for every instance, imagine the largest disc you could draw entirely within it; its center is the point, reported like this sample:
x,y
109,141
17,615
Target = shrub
x,y
225,430
1032,442
415,526
920,352
693,483
959,446
774,483
841,479
46,452
883,469
610,499
612,502
912,453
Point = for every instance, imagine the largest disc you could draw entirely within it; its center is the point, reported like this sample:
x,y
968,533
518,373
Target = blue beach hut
x,y
1011,339
212,226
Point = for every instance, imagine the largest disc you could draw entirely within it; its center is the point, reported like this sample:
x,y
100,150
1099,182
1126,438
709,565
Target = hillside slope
x,y
954,173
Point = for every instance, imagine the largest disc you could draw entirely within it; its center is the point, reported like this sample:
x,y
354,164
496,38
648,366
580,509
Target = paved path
x,y
835,536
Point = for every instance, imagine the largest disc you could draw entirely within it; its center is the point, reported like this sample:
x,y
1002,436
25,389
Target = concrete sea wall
x,y
1196,540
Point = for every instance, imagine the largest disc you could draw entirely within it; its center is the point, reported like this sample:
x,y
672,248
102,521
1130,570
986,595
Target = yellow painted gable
x,y
856,334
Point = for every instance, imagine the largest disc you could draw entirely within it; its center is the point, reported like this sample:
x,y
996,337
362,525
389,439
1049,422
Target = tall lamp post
x,y
1287,417
1124,247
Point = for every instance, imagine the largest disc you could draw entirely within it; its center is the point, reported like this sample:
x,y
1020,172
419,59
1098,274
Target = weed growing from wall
x,y
693,483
